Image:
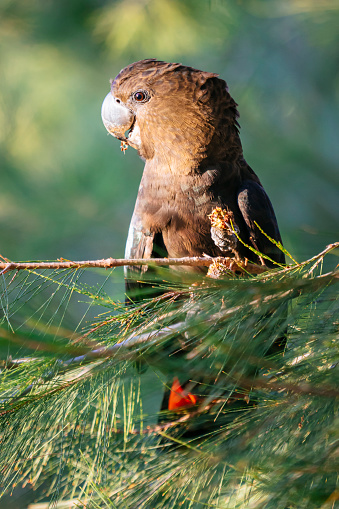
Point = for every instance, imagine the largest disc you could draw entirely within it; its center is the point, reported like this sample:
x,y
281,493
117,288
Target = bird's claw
x,y
223,230
224,239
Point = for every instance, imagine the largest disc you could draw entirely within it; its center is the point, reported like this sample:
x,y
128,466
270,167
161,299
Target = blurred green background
x,y
67,191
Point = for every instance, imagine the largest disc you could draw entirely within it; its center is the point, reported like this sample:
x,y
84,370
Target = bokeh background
x,y
67,191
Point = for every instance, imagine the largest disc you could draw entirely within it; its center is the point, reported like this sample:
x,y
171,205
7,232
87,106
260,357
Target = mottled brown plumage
x,y
183,122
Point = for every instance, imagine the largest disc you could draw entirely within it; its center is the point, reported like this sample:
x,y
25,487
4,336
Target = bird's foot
x,y
224,231
225,266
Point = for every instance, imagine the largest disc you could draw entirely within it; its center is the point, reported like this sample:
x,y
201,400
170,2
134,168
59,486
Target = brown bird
x,y
183,122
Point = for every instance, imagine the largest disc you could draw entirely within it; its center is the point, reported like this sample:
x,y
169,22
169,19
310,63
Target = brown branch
x,y
107,263
285,386
195,261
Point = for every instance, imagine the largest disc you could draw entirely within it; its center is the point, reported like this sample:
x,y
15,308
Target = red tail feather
x,y
179,398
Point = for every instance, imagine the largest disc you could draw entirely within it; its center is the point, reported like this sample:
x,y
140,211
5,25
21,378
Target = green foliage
x,y
76,414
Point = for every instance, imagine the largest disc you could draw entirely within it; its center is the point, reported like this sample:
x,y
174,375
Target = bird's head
x,y
171,110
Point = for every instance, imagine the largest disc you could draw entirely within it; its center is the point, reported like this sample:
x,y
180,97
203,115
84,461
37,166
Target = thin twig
x,y
284,386
107,263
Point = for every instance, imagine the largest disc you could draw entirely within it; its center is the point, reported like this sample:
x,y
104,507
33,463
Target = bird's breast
x,y
178,207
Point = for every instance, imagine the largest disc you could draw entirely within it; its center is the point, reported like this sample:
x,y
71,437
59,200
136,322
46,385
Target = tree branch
x,y
195,261
107,263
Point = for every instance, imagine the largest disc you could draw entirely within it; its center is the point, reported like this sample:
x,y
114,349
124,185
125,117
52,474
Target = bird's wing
x,y
255,207
141,244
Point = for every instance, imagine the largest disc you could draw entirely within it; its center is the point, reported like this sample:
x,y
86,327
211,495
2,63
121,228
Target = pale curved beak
x,y
117,118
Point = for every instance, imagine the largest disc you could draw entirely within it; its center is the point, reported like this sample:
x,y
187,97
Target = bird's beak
x,y
117,118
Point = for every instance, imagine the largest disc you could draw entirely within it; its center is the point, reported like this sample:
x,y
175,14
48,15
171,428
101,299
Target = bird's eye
x,y
140,96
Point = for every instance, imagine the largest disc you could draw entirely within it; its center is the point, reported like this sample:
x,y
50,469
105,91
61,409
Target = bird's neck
x,y
207,149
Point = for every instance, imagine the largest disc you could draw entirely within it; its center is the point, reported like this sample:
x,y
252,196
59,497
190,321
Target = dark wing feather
x,y
140,244
255,206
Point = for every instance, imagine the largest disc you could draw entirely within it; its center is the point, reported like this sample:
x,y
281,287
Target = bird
x,y
184,124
